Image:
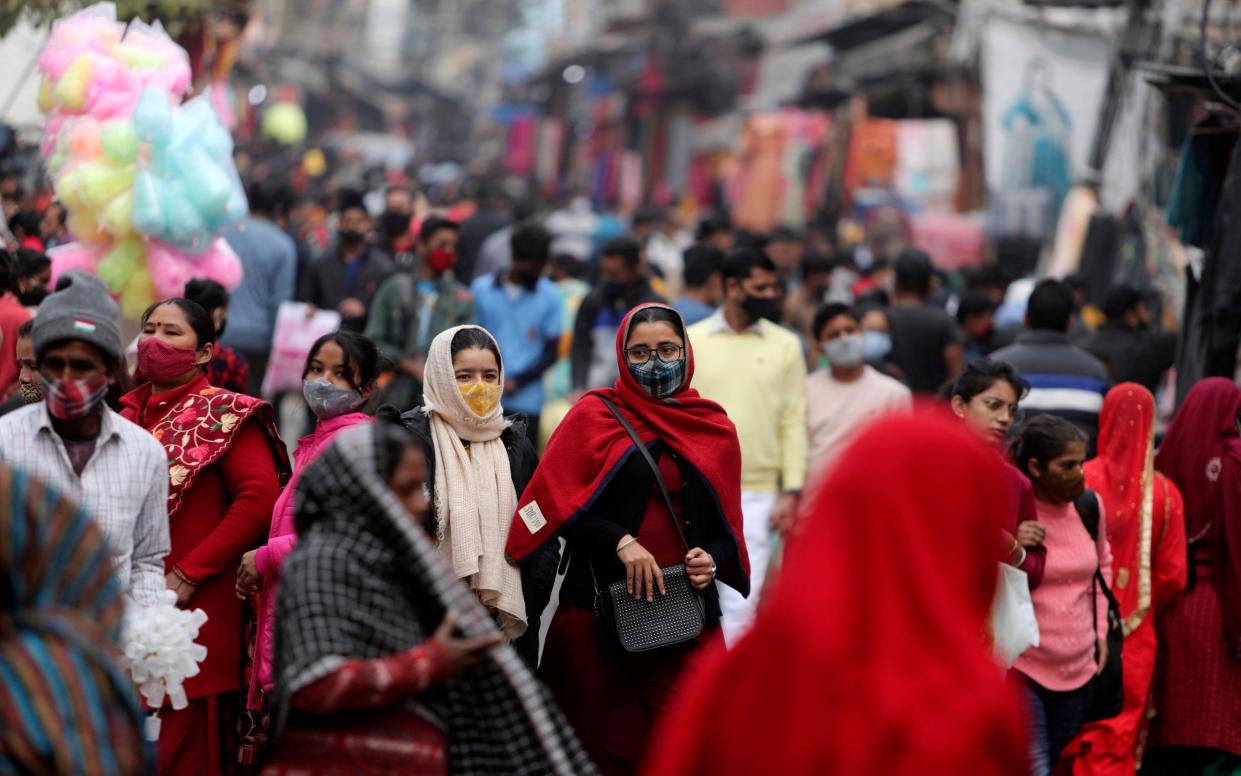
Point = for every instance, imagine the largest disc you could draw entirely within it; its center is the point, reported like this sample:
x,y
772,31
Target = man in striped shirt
x,y
112,468
1064,379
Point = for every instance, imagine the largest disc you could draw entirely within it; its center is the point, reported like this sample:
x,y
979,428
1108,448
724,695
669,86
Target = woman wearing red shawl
x,y
595,490
1199,688
870,654
226,464
1146,527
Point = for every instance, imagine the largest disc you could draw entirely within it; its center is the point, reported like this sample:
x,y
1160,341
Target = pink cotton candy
x,y
73,256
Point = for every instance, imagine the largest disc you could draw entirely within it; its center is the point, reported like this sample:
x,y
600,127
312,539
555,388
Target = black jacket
x,y
619,510
538,575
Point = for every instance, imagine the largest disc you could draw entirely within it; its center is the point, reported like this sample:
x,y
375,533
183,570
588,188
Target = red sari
x,y
226,465
869,655
1146,529
1199,687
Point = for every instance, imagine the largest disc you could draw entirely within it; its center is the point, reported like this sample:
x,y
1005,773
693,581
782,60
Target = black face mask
x,y
611,289
352,238
34,296
393,224
759,308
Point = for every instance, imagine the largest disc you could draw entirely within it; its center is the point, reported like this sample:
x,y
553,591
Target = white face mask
x,y
845,352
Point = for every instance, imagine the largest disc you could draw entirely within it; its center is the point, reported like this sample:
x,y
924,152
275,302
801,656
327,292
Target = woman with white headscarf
x,y
479,461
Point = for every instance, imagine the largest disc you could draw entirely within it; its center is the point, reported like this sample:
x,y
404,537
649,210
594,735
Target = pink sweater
x,y
1065,657
280,542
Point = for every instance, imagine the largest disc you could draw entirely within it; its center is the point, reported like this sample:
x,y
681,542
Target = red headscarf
x,y
1202,436
870,655
1201,454
1123,476
589,447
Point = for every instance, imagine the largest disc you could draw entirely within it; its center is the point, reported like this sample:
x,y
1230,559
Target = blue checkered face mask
x,y
660,379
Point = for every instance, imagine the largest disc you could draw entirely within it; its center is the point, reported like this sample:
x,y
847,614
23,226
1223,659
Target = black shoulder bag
x,y
674,618
1109,686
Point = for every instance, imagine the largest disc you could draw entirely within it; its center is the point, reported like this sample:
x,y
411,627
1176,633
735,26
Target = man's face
x,y
73,360
615,269
840,326
28,368
42,280
354,220
399,201
979,326
761,284
786,254
52,222
442,240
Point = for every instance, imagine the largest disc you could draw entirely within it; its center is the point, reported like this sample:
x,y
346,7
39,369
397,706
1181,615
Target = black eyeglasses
x,y
666,352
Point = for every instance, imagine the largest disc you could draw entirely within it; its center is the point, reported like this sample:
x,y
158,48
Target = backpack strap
x,y
1088,509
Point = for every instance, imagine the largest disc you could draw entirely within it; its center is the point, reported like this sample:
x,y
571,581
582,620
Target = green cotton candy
x,y
120,142
119,265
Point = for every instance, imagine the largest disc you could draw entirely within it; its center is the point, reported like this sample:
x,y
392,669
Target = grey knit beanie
x,y
80,309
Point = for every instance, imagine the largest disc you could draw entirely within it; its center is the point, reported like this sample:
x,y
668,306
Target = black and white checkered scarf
x,y
365,582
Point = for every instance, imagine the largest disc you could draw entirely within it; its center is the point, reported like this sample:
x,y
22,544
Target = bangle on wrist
x,y
181,576
623,545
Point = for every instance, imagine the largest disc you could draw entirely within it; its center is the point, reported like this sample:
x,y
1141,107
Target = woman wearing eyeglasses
x,y
598,491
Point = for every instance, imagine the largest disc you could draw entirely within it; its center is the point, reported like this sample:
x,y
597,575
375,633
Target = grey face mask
x,y
845,352
329,401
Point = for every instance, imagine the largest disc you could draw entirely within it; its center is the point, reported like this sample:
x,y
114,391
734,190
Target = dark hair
x,y
530,241
26,329
1042,438
913,272
361,356
9,272
569,264
350,199
27,221
701,262
783,233
433,224
865,308
31,262
62,217
269,197
814,262
467,339
391,442
974,302
648,216
741,263
987,276
208,293
980,375
1051,306
713,225
658,315
1120,300
195,314
830,311
625,247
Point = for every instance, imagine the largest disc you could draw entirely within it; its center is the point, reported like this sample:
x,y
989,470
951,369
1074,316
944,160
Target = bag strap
x,y
659,478
1088,510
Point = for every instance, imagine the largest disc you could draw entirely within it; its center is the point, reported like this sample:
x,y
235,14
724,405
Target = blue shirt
x,y
269,265
692,311
521,326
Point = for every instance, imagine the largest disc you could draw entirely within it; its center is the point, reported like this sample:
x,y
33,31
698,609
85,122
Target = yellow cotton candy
x,y
120,264
118,216
99,183
138,294
481,398
83,226
71,88
47,97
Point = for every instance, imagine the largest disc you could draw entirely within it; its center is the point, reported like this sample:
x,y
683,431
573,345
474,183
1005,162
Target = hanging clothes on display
x,y
1211,331
1200,179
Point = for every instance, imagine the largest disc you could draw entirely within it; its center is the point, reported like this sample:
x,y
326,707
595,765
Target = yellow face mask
x,y
481,398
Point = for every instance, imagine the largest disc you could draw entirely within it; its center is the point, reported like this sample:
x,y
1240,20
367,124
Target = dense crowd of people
x,y
584,492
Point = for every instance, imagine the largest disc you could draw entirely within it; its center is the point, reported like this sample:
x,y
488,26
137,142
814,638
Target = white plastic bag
x,y
1014,628
296,331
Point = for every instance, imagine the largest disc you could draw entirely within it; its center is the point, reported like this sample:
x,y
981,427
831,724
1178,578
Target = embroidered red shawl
x,y
200,427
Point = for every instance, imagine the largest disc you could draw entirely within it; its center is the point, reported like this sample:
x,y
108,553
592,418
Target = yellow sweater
x,y
759,376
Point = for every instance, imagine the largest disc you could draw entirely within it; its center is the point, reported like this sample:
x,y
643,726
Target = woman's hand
x,y
183,589
460,655
1031,534
640,569
1102,656
701,568
248,578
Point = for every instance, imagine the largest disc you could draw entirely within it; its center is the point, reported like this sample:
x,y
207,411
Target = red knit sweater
x,y
224,514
